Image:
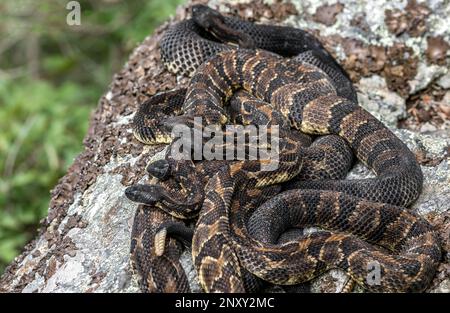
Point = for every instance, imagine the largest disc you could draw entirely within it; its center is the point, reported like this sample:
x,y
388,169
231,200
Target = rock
x,y
427,128
83,245
443,287
375,97
437,50
446,98
411,19
332,282
425,75
326,14
444,81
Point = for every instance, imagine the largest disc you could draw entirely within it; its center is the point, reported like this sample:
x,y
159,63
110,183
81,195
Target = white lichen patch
x,y
425,75
124,120
384,104
436,189
102,246
332,282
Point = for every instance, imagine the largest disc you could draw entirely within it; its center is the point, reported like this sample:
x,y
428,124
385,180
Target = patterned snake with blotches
x,y
237,236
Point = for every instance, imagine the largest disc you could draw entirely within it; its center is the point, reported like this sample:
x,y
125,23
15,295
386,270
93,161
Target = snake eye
x,y
158,169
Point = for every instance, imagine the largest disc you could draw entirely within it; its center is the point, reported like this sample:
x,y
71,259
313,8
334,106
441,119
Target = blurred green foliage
x,y
51,77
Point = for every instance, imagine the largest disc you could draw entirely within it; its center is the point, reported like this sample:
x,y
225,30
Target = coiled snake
x,y
312,94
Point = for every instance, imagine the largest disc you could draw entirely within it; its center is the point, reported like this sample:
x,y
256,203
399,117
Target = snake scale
x,y
233,242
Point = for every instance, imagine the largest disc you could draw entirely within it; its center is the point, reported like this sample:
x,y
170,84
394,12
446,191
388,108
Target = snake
x,y
311,97
155,260
157,272
190,43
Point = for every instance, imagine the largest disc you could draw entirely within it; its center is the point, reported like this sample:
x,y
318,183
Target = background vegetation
x,y
51,77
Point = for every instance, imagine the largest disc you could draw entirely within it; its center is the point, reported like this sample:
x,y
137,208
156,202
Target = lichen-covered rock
x,y
375,97
83,244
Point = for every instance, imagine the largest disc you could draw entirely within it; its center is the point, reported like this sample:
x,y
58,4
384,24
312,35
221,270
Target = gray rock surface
x,y
83,245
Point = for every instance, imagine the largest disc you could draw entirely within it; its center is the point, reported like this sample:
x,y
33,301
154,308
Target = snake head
x,y
159,169
205,16
215,23
145,194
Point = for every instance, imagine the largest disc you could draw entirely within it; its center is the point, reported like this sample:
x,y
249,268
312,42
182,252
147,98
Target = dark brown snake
x,y
365,220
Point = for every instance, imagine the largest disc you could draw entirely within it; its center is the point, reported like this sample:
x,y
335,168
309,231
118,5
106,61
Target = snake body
x,y
311,105
157,273
192,42
406,264
327,157
314,95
